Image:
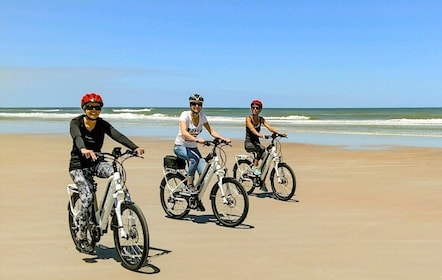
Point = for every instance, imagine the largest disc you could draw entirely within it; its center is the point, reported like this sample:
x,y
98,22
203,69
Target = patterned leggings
x,y
83,179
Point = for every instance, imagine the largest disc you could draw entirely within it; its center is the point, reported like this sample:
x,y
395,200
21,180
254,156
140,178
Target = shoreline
x,y
352,127
366,214
351,145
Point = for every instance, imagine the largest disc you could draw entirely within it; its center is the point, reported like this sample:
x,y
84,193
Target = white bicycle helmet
x,y
196,98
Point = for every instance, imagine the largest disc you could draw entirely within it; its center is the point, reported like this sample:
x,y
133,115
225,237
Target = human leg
x,y
258,149
194,156
83,180
182,152
104,169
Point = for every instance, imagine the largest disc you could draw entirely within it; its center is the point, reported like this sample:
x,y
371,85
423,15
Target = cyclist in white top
x,y
191,124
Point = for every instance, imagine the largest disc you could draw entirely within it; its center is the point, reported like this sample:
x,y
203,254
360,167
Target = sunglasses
x,y
94,107
196,104
256,107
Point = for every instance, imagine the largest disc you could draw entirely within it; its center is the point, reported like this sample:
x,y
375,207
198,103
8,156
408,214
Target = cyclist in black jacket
x,y
87,132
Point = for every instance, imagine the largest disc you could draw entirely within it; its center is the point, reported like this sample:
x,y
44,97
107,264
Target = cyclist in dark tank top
x,y
253,133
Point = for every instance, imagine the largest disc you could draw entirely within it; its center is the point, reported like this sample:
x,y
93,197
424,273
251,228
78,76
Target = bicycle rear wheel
x,y
133,248
232,208
73,216
243,173
284,185
174,204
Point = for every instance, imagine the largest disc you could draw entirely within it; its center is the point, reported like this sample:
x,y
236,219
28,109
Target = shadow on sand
x,y
205,219
105,253
271,195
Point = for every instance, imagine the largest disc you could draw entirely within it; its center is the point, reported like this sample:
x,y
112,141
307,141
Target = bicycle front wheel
x,y
242,171
174,204
132,240
284,182
231,208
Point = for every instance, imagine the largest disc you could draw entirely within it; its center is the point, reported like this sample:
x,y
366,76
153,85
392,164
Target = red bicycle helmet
x,y
256,102
91,98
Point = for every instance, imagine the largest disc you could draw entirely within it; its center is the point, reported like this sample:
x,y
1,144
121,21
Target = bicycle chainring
x,y
256,182
193,202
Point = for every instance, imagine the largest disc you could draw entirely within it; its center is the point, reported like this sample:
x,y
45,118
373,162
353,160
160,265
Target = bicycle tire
x,y
134,248
73,225
234,212
285,189
243,173
174,204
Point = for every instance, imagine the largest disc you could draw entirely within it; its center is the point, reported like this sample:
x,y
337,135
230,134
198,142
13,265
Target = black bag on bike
x,y
174,162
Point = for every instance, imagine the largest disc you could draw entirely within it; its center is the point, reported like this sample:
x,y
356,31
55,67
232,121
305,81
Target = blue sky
x,y
286,53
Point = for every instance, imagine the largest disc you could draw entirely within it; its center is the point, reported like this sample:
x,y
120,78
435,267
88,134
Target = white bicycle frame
x,y
266,159
112,198
211,168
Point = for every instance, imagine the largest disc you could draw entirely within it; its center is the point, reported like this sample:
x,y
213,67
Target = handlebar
x,y
216,142
116,153
118,158
273,136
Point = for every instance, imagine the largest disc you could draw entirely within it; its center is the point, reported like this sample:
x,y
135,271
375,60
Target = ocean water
x,y
352,127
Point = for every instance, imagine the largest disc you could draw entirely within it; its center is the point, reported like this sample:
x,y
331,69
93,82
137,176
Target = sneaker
x,y
200,206
85,247
190,189
256,171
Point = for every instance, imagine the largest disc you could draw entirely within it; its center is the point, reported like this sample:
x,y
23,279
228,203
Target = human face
x,y
255,109
196,107
92,110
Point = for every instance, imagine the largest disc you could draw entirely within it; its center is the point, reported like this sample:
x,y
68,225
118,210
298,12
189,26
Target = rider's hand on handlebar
x,y
139,151
89,154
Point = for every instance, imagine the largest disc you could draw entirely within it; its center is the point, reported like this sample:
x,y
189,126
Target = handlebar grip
x,y
135,154
207,143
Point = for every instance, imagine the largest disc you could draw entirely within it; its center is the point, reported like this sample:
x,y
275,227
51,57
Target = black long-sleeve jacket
x,y
92,140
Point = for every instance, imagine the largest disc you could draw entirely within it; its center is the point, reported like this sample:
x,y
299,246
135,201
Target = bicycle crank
x,y
193,202
257,182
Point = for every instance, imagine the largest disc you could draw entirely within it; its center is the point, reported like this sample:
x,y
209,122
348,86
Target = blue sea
x,y
350,127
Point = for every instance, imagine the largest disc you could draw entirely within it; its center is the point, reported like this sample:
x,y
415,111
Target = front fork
x,y
120,196
276,161
220,173
121,230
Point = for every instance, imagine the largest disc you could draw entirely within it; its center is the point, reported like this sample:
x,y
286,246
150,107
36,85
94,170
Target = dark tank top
x,y
250,136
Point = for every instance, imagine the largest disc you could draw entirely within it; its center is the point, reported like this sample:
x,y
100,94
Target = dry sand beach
x,y
357,214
